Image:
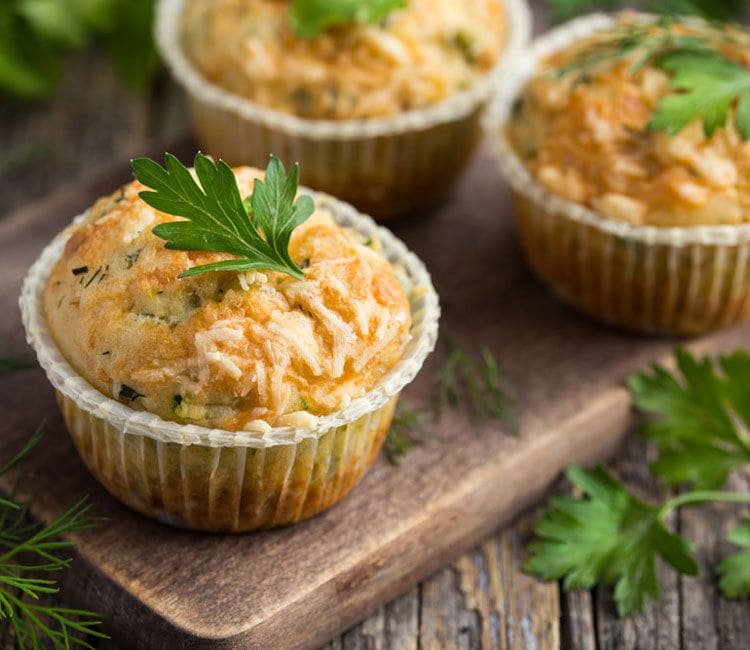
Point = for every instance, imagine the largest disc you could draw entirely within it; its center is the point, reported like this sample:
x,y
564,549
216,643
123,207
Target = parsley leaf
x,y
257,230
610,537
709,86
311,17
734,570
702,418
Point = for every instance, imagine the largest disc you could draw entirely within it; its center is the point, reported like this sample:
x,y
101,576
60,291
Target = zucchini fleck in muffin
x,y
416,56
229,400
379,102
627,148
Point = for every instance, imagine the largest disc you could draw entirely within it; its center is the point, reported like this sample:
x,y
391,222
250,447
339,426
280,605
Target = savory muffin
x,y
417,56
227,401
380,103
625,142
237,351
585,128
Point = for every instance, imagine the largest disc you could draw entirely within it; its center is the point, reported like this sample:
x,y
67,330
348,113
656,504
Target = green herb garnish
x,y
311,17
734,570
30,551
407,428
702,418
256,230
475,383
708,86
465,382
35,34
611,537
11,364
712,9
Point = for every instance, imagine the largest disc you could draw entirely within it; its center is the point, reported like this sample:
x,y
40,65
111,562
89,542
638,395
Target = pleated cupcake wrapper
x,y
676,280
387,167
216,480
230,489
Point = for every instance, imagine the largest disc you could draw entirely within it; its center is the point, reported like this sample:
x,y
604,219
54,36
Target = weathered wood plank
x,y
708,620
577,631
658,627
533,608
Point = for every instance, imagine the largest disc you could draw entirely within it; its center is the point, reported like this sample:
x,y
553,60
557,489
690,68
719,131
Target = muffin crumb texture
x,y
583,132
416,57
233,351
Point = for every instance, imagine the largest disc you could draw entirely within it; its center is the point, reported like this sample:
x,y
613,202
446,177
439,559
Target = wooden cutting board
x,y
298,587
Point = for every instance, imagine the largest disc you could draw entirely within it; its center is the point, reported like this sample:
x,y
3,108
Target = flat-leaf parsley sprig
x,y
311,17
611,537
700,425
734,570
701,418
256,230
708,86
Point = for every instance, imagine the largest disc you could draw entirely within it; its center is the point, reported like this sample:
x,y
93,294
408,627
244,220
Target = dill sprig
x,y
650,39
11,364
467,382
10,361
29,554
407,429
711,9
476,384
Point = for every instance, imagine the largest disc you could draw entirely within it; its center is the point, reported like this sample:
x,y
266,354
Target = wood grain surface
x,y
91,122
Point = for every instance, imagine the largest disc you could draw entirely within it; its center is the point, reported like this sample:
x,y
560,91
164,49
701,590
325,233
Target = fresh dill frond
x,y
407,429
476,384
649,40
12,360
29,555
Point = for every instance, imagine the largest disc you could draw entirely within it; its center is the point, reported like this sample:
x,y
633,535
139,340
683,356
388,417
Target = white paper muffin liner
x,y
212,479
387,167
676,280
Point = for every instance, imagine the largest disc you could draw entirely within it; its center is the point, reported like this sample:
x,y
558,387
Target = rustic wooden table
x,y
483,600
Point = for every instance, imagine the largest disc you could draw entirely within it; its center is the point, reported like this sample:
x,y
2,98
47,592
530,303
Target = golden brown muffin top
x,y
418,56
229,350
583,127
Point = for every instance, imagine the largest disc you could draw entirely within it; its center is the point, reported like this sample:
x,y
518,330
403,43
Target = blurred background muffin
x,y
415,56
626,146
381,108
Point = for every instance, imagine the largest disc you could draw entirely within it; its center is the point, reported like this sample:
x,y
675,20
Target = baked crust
x,y
224,350
417,57
584,134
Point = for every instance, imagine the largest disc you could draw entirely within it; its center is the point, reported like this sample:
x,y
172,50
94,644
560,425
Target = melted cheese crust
x,y
226,350
585,136
418,56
